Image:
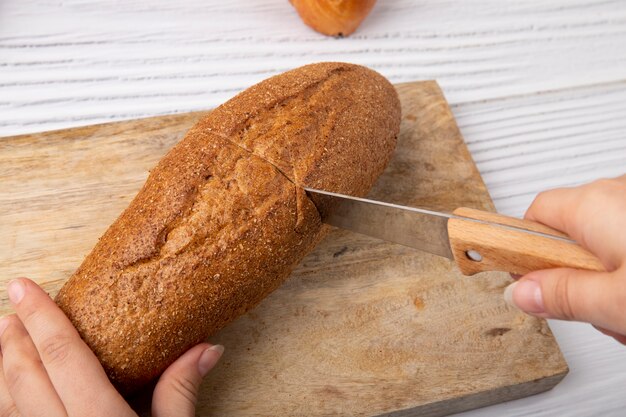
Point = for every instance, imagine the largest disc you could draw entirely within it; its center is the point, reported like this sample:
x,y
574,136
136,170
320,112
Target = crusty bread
x,y
222,220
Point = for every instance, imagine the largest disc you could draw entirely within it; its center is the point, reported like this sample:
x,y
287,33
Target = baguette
x,y
222,219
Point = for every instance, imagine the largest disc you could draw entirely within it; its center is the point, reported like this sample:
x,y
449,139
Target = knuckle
x,y
542,196
562,304
185,388
538,200
606,183
601,189
6,336
15,371
17,361
56,349
11,320
28,313
543,203
594,196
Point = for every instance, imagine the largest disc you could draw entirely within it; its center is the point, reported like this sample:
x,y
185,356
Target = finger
x,y
582,213
176,393
619,337
557,208
571,294
7,406
74,370
24,373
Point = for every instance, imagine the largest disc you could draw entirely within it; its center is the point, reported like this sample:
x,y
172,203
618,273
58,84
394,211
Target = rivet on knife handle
x,y
485,246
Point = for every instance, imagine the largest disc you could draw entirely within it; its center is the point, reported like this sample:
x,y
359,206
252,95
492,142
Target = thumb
x,y
570,294
176,393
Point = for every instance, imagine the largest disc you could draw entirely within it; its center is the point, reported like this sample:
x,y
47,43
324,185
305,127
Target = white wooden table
x,y
538,88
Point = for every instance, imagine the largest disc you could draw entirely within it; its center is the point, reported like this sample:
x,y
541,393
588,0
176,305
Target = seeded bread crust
x,y
222,219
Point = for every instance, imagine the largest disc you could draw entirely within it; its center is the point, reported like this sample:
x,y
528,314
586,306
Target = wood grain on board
x,y
363,327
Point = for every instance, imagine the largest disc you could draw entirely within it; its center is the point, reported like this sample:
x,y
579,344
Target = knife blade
x,y
476,240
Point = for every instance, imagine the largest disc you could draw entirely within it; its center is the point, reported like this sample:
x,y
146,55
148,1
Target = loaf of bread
x,y
222,219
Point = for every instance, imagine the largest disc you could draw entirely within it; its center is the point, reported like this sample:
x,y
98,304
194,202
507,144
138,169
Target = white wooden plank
x,y
523,145
80,62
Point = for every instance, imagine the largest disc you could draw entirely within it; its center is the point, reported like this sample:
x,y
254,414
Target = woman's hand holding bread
x,y
47,369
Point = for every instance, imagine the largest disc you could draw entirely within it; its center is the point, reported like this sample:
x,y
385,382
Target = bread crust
x,y
222,219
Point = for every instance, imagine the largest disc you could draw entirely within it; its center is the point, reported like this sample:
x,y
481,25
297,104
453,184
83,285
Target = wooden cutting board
x,y
362,327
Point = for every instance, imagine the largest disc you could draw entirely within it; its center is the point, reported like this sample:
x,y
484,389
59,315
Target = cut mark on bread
x,y
298,189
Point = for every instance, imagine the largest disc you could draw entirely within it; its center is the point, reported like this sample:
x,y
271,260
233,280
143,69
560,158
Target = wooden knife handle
x,y
512,251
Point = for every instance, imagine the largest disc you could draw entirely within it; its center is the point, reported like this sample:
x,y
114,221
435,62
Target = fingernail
x,y
209,358
4,323
525,295
16,291
508,294
217,348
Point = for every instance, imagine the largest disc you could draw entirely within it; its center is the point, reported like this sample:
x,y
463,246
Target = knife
x,y
476,240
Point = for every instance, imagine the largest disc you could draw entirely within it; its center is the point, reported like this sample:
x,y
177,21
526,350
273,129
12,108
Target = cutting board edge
x,y
94,126
482,399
